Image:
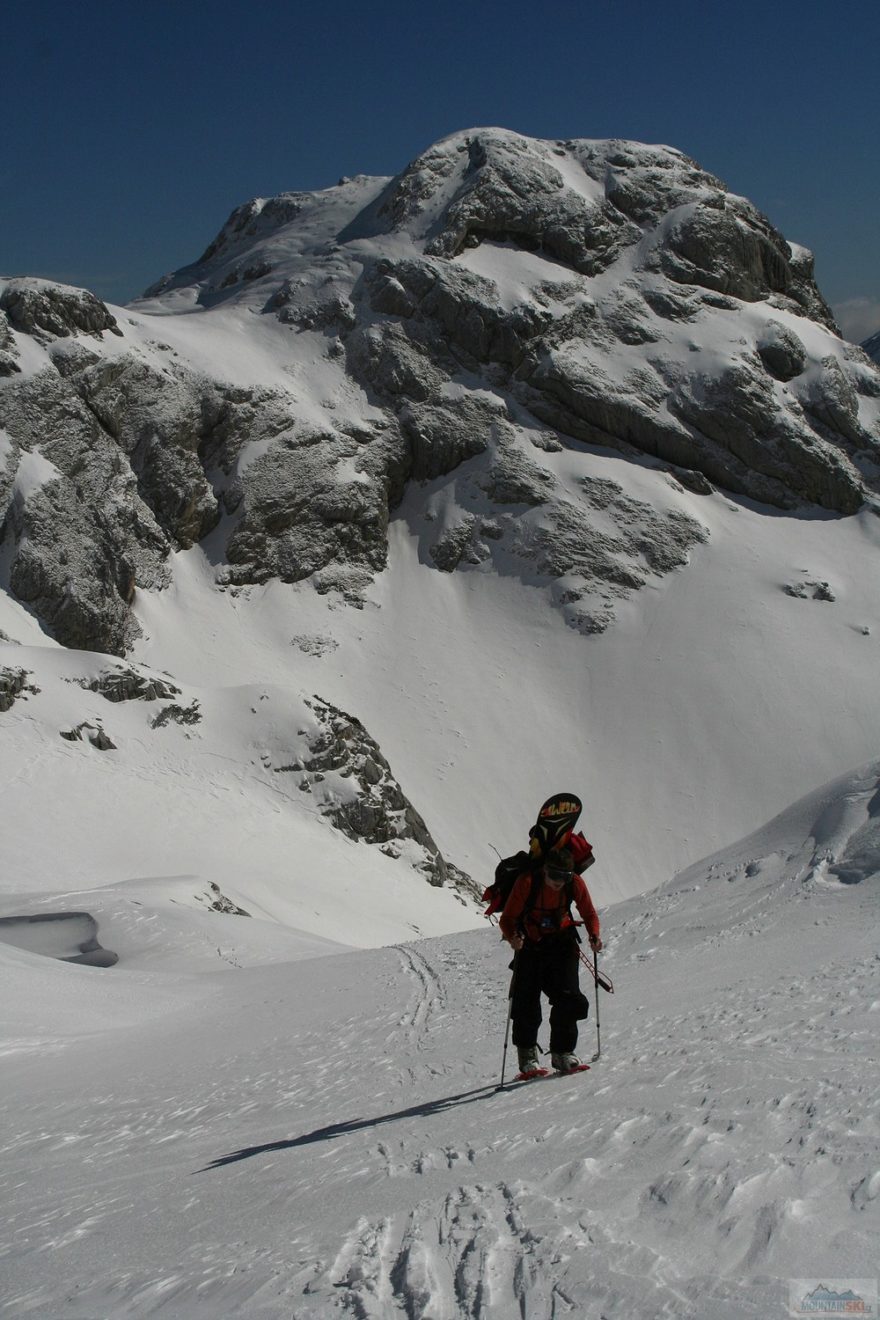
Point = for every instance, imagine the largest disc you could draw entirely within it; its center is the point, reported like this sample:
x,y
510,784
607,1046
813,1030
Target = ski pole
x,y
509,1016
603,978
596,1002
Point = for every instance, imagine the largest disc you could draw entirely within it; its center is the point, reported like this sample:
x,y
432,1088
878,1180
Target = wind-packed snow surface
x,y
325,1137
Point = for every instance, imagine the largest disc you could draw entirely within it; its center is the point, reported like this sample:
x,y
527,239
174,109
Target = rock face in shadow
x,y
500,300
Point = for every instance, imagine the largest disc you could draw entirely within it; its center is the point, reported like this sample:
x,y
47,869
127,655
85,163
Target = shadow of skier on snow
x,y
333,1130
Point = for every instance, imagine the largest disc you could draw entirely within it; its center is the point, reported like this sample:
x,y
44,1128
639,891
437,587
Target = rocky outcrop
x,y
781,351
48,311
96,735
83,538
13,684
346,772
594,543
8,351
126,684
177,714
159,419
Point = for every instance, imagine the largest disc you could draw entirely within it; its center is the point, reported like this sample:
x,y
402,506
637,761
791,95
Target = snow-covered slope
x,y
434,449
719,696
325,1137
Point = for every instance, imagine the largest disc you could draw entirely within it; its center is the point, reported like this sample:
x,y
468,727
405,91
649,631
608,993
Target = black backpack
x,y
507,872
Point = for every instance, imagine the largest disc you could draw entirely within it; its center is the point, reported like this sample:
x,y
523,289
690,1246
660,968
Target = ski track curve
x,y
340,1148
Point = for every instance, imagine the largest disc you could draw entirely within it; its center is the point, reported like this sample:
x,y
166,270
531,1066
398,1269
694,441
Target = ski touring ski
x,y
549,1072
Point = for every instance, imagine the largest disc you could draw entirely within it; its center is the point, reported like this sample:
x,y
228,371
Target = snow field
x,y
326,1137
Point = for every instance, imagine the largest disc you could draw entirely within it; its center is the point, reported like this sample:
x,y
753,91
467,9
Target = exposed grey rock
x,y
725,245
580,399
548,441
159,419
781,351
593,550
298,517
396,363
8,351
96,736
314,644
322,309
871,345
129,444
760,449
443,434
671,304
834,401
13,684
693,481
83,538
125,684
513,479
863,371
377,812
463,307
217,901
459,543
809,589
645,183
624,313
803,294
595,566
177,714
48,310
515,194
101,740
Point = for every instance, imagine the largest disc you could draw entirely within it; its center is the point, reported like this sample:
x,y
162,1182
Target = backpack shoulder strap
x,y
532,896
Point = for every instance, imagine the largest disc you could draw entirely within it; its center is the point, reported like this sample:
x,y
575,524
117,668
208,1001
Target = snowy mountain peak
x,y
501,300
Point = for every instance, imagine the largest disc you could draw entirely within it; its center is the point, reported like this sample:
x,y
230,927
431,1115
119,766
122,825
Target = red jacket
x,y
547,903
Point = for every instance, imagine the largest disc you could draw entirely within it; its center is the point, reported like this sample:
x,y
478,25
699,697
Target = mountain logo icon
x,y
834,1298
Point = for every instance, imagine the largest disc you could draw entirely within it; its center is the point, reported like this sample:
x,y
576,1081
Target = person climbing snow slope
x,y
537,923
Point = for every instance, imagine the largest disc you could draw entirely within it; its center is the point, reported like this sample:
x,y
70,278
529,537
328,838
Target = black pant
x,y
551,968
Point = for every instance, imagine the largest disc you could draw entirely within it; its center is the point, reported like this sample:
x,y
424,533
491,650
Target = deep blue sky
x,y
131,128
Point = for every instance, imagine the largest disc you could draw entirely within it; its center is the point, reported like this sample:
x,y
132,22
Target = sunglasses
x,y
558,877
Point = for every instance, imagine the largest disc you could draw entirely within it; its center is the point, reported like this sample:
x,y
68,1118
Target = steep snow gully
x,y
325,1137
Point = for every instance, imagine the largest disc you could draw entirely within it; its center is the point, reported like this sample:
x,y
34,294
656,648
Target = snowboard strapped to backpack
x,y
553,829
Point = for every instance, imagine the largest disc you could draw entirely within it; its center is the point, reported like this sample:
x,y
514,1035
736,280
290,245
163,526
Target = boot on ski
x,y
529,1066
567,1062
